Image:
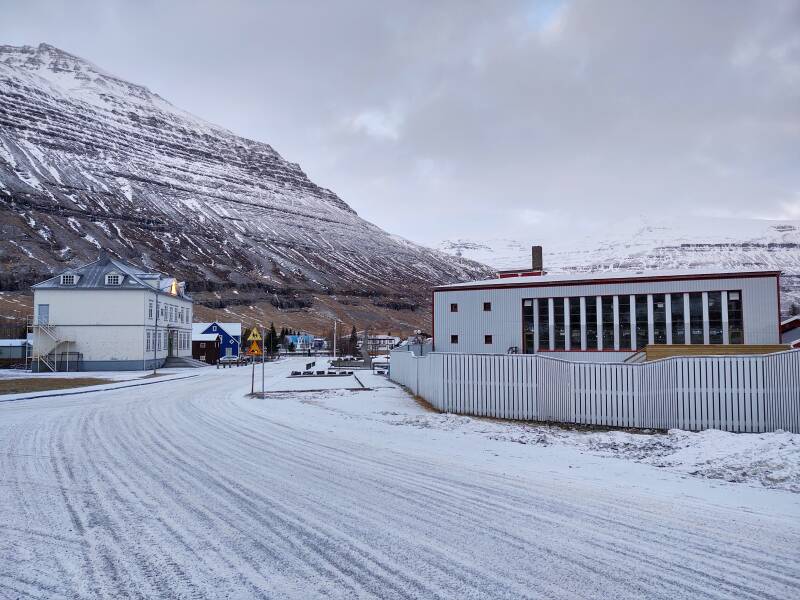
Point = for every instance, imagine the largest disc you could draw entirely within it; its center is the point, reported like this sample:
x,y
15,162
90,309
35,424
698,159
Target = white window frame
x,y
69,279
113,279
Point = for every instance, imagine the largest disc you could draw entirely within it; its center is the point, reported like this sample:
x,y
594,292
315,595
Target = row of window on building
x,y
160,339
169,313
631,322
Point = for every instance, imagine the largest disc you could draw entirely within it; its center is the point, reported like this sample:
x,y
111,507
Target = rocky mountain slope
x,y
658,244
89,161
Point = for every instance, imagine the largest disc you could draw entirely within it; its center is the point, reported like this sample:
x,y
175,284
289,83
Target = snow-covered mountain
x,y
90,161
663,244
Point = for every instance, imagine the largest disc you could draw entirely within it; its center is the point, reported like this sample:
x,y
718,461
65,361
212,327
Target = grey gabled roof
x,y
93,276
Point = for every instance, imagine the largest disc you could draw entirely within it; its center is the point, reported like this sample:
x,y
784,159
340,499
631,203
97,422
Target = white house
x,y
378,343
110,315
605,316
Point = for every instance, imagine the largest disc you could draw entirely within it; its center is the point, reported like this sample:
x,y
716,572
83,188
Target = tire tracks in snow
x,y
187,489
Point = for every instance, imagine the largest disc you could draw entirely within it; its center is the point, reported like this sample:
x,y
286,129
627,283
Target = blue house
x,y
301,341
230,336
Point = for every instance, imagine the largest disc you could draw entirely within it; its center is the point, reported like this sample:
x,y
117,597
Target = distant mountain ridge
x,y
736,244
90,161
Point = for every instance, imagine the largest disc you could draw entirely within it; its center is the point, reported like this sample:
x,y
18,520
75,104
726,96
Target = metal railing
x,y
46,341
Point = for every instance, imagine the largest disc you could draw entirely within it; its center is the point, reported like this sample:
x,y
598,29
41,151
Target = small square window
x,y
68,280
454,307
453,339
487,306
112,279
487,339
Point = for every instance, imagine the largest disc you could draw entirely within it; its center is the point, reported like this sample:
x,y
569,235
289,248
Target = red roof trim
x,y
615,280
790,324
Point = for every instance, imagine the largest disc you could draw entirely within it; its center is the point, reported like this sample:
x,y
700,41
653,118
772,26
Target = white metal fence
x,y
732,393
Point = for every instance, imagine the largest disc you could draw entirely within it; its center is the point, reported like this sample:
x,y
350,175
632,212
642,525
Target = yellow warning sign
x,y
254,349
254,335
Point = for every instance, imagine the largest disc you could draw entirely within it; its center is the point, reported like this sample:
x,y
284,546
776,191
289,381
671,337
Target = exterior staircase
x,y
47,341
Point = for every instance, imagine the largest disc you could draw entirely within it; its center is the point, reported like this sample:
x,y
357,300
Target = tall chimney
x,y
536,259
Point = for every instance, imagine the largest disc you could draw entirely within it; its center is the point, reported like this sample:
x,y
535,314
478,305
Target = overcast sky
x,y
467,119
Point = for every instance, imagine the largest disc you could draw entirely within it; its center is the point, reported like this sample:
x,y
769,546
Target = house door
x,y
171,343
43,316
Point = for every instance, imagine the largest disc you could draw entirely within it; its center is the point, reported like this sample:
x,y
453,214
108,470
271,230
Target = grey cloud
x,y
482,119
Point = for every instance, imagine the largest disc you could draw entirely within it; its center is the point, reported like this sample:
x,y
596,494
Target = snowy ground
x,y
190,488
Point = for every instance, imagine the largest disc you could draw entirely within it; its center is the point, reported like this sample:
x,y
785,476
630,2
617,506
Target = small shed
x,y
790,331
205,347
13,352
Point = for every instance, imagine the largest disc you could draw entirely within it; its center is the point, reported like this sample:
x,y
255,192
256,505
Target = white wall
x,y
110,325
504,321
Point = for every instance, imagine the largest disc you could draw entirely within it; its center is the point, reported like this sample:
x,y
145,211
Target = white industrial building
x,y
605,317
109,315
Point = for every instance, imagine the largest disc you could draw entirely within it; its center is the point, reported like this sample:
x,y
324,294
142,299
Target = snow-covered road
x,y
190,489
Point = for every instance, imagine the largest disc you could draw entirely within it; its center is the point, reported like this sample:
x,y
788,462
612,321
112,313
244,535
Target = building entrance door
x,y
43,318
171,343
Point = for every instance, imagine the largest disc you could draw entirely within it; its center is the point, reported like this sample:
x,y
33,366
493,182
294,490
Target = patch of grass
x,y
43,384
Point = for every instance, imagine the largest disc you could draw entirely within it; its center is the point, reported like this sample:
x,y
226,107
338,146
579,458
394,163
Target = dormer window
x,y
68,279
113,279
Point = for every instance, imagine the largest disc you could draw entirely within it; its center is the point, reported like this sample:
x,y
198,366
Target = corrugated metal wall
x,y
732,393
504,322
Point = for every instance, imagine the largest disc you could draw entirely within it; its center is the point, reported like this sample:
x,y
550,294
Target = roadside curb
x,y
75,392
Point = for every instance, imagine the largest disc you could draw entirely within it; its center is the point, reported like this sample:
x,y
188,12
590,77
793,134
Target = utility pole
x,y
253,379
334,340
155,336
263,360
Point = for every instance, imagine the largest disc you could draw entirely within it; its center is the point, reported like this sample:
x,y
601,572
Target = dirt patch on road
x,y
43,384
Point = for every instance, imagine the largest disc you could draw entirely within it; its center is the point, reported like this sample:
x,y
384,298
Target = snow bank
x,y
763,459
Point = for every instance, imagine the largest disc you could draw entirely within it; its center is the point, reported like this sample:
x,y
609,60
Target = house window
x,y
487,339
559,323
660,319
735,321
148,341
543,324
607,314
180,318
678,324
696,318
150,309
575,323
113,279
642,326
454,307
202,344
453,339
625,334
68,280
591,323
487,306
715,317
